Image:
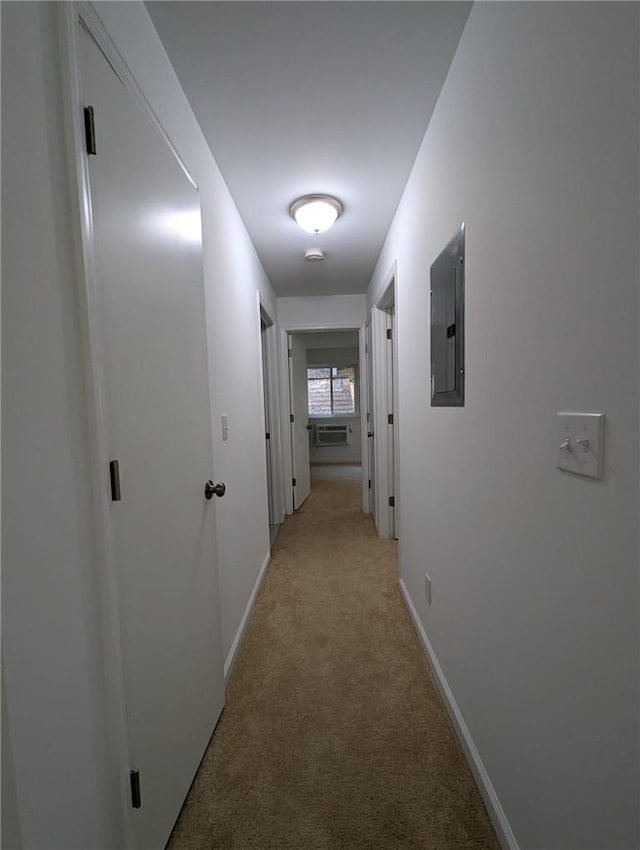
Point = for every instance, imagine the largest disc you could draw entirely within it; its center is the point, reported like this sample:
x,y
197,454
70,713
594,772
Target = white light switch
x,y
581,443
225,427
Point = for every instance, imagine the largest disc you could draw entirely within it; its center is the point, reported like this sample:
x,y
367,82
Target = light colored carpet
x,y
333,736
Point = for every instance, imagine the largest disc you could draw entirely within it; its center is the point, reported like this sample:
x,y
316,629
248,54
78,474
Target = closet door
x,y
299,402
150,303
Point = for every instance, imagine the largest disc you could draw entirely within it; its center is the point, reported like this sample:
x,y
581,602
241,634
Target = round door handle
x,y
309,427
369,433
211,489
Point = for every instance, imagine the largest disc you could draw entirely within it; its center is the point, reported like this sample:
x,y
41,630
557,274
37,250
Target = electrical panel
x,y
447,324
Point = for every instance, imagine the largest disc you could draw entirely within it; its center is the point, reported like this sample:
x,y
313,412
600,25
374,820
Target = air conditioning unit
x,y
332,435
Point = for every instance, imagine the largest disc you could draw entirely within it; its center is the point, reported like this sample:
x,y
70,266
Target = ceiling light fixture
x,y
315,213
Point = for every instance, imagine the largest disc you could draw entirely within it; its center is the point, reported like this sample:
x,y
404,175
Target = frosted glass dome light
x,y
315,213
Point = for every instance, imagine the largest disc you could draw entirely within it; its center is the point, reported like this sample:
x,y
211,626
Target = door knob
x,y
309,427
211,489
369,433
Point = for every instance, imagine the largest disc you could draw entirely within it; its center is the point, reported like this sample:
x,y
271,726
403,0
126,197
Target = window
x,y
331,390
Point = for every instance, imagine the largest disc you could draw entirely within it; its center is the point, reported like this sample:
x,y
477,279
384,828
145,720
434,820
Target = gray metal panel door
x,y
447,324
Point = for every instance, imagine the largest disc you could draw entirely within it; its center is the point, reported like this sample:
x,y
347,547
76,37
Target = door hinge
x,y
389,333
293,481
114,475
290,352
134,776
392,501
366,349
369,484
267,436
90,130
390,419
292,418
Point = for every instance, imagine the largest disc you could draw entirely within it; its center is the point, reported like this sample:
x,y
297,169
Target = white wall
x,y
534,144
322,356
51,650
233,274
325,311
534,619
332,339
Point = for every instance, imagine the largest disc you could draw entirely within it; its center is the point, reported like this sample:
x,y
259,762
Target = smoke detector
x,y
314,255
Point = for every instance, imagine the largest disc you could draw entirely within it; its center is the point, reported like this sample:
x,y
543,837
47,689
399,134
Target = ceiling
x,y
310,97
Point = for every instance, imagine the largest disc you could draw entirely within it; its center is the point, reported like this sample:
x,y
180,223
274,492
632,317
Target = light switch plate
x,y
225,427
581,443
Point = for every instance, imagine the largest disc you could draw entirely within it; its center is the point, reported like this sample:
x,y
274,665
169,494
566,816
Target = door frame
x,y
385,385
391,426
366,398
299,476
285,410
108,685
270,373
370,499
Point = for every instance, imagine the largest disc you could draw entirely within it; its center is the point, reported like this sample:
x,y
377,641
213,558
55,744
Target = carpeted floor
x,y
333,736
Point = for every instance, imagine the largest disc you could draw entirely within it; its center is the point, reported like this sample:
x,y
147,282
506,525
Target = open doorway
x,y
267,329
383,386
324,405
300,427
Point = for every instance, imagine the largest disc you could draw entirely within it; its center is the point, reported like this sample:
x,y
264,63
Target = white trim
x,y
386,519
291,442
275,412
285,398
90,20
235,646
364,445
285,421
301,327
379,371
496,812
70,19
268,385
390,395
387,298
329,417
368,423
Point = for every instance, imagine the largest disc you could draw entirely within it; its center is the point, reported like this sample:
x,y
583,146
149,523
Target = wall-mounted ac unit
x,y
332,435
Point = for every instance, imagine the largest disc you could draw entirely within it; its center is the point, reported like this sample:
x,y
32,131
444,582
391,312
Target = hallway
x,y
333,735
128,604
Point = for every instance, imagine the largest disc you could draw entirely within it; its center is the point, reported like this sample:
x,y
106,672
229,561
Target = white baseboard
x,y
491,801
235,646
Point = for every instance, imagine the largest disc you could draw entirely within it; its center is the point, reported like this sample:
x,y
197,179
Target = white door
x,y
370,423
150,304
300,411
267,419
391,423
